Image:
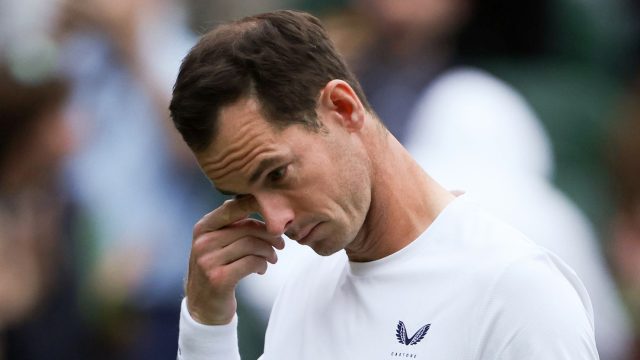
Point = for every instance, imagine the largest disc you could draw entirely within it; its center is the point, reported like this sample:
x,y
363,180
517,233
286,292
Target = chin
x,y
326,247
325,252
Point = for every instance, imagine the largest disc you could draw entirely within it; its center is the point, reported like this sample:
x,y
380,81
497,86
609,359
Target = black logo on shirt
x,y
401,334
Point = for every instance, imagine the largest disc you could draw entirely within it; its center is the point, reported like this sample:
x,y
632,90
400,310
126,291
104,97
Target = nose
x,y
276,212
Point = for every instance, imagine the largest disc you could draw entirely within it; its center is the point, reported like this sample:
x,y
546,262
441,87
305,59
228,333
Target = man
x,y
275,118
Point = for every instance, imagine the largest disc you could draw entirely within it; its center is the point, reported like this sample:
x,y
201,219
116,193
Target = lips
x,y
306,235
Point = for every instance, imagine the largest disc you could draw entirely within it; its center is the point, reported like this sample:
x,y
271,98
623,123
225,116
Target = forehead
x,y
238,119
243,137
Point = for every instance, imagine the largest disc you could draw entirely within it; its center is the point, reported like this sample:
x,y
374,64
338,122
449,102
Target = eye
x,y
277,174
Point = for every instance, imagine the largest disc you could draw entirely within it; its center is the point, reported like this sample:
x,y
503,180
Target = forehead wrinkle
x,y
243,165
240,162
226,159
241,151
251,134
228,154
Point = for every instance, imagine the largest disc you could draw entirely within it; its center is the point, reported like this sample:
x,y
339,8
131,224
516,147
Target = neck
x,y
404,201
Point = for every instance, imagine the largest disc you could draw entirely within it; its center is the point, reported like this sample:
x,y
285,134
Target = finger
x,y
229,212
260,230
214,240
240,269
237,250
252,227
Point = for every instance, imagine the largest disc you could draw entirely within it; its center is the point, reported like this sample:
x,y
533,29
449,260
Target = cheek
x,y
354,193
336,181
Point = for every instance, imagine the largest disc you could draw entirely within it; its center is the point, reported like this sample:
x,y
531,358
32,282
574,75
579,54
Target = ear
x,y
338,101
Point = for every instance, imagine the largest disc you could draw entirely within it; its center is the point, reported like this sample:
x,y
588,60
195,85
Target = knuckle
x,y
202,264
199,228
216,276
199,244
260,265
203,241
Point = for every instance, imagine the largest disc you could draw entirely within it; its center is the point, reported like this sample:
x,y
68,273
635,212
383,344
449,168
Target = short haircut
x,y
282,59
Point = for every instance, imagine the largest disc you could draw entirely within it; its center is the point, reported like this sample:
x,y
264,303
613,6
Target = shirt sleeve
x,y
204,342
538,309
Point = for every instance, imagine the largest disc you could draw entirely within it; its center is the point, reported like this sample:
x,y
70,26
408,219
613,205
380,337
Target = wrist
x,y
198,341
209,315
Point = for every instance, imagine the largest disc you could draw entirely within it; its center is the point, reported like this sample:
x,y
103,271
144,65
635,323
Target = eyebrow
x,y
262,167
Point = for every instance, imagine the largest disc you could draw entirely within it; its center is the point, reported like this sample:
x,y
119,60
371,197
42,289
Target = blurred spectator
x,y
138,187
205,14
413,42
39,313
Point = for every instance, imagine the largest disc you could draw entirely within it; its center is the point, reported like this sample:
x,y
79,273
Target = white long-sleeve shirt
x,y
469,287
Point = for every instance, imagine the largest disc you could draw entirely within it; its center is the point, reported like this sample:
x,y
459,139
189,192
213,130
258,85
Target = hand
x,y
227,246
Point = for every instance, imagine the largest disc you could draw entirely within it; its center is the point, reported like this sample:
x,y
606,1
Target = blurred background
x,y
532,107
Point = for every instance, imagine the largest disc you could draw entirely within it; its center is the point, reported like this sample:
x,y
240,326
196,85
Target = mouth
x,y
306,237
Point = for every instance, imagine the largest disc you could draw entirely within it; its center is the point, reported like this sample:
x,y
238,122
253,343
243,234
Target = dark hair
x,y
283,59
22,105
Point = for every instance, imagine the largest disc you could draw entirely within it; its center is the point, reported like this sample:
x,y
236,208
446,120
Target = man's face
x,y
313,186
